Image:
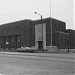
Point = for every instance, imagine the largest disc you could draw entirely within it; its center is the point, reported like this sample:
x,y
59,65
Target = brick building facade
x,y
72,38
30,33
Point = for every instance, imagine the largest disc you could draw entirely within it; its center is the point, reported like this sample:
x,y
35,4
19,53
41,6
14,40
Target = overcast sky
x,y
13,10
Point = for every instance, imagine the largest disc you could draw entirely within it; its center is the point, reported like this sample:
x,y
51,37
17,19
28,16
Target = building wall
x,y
22,33
62,40
56,26
14,31
47,22
72,38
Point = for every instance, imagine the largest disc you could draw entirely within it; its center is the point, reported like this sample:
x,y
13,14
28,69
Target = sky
x,y
15,10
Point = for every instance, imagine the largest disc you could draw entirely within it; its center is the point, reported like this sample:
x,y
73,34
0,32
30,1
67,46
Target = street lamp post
x,y
42,29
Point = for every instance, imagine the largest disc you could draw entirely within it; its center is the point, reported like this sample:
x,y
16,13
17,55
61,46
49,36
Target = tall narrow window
x,y
18,42
18,38
6,39
18,28
12,39
65,42
62,41
73,40
10,29
1,40
68,42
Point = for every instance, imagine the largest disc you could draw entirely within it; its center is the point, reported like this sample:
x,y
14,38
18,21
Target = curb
x,y
57,55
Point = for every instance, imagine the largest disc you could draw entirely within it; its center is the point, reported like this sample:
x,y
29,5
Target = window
x,y
12,39
18,28
65,42
1,40
6,40
68,42
55,27
62,28
18,38
62,41
58,27
4,31
10,29
73,40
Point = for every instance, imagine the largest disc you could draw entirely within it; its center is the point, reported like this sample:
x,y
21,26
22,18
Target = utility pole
x,y
50,24
53,48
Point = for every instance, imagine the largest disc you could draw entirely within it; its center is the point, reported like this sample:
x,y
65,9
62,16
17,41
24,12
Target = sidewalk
x,y
61,55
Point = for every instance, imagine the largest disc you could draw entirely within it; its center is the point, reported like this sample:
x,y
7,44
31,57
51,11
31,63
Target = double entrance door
x,y
40,44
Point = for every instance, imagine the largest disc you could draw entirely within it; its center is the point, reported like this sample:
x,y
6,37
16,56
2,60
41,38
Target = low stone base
x,y
52,48
72,50
64,50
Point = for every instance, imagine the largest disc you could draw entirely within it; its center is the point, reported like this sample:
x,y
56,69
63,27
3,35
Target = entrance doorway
x,y
39,44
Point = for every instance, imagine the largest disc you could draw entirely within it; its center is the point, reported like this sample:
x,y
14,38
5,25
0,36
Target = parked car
x,y
26,49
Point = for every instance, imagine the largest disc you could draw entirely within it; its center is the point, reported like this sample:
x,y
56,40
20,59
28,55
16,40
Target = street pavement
x,y
16,63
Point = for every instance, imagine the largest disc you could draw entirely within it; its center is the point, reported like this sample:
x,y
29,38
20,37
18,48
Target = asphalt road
x,y
37,64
